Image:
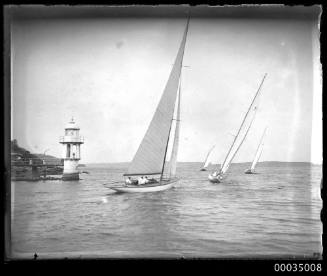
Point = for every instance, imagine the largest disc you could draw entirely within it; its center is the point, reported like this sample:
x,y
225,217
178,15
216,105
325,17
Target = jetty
x,y
35,169
27,166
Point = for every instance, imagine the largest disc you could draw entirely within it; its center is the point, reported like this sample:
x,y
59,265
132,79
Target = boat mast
x,y
164,159
173,157
244,120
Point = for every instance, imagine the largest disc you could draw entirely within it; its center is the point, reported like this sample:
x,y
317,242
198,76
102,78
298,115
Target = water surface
x,y
273,213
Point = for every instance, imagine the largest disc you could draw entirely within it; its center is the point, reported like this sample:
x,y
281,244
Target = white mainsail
x,y
207,160
151,154
242,132
258,152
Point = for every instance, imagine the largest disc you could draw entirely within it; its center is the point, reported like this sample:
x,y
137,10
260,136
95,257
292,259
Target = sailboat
x,y
150,158
257,155
206,161
217,175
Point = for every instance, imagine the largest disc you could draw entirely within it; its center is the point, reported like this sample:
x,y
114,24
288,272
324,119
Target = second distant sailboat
x,y
217,175
206,161
257,155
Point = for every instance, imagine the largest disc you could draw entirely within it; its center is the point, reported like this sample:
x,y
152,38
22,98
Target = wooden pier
x,y
29,170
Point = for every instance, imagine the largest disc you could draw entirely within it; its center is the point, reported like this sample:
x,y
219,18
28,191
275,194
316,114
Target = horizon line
x,y
314,163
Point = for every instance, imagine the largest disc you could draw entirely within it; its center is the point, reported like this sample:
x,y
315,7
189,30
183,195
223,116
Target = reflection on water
x,y
274,212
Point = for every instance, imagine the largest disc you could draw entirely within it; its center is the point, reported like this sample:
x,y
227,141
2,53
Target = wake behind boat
x,y
150,158
217,176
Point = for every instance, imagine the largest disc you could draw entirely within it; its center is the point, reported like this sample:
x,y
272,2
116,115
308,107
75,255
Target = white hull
x,y
144,188
214,179
249,171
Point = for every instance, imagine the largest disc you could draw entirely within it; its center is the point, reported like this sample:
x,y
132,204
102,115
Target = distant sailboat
x,y
150,158
206,161
257,155
217,175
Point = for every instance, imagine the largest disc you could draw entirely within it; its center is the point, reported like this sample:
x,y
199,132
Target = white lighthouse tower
x,y
72,151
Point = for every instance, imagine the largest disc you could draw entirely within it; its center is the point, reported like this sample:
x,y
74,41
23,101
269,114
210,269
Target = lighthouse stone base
x,y
70,170
70,176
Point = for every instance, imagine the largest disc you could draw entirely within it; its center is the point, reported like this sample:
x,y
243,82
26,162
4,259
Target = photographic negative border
x,y
47,12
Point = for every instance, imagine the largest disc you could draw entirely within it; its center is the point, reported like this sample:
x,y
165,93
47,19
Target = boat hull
x,y
144,188
249,171
214,179
203,169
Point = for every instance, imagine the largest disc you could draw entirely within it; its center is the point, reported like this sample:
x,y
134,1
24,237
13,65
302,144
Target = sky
x,y
109,74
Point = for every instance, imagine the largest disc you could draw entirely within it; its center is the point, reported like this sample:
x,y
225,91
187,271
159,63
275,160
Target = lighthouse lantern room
x,y
72,150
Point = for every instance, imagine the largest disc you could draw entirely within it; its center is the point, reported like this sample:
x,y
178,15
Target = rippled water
x,y
273,213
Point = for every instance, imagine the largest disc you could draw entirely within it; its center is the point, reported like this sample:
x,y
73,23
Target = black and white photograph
x,y
164,132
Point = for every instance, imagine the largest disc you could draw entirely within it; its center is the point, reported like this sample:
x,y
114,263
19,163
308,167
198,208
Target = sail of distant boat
x,y
150,158
239,138
257,154
207,160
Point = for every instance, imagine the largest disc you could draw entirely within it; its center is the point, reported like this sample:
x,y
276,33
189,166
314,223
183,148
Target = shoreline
x,y
34,179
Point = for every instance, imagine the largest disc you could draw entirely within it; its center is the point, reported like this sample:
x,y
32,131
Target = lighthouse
x,y
72,150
